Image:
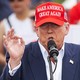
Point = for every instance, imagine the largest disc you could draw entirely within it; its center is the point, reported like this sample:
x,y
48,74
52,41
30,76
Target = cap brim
x,y
56,21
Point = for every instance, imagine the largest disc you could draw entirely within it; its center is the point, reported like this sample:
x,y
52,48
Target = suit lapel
x,y
69,65
37,63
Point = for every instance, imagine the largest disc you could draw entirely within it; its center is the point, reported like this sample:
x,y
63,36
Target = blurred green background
x,y
59,1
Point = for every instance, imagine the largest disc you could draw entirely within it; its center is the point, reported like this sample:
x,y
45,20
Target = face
x,y
52,31
19,5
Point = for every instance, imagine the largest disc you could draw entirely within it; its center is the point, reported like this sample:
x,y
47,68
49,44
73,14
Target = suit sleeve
x,y
6,76
18,75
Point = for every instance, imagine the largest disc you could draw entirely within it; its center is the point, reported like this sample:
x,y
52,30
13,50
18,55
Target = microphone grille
x,y
50,44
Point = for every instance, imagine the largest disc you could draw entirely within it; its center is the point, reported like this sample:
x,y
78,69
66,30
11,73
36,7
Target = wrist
x,y
13,63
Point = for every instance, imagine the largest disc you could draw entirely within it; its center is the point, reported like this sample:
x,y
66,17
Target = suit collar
x,y
36,60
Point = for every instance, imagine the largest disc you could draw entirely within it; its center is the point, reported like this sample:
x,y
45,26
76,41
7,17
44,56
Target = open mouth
x,y
50,38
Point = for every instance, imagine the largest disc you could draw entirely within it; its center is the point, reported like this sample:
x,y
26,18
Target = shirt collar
x,y
44,51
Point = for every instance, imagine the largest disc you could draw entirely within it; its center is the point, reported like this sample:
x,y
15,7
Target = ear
x,y
37,31
67,27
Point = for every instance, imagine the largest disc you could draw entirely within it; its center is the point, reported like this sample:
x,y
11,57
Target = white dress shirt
x,y
58,73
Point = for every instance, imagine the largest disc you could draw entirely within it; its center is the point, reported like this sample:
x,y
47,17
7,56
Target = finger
x,y
4,37
5,43
22,41
10,33
15,37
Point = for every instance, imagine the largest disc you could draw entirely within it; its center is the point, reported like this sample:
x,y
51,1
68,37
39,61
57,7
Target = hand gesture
x,y
15,47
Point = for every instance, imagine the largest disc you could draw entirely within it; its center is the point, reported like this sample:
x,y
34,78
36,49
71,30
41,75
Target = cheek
x,y
22,5
12,6
16,7
60,36
42,36
27,2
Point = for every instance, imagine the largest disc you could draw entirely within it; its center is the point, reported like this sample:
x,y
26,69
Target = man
x,y
30,62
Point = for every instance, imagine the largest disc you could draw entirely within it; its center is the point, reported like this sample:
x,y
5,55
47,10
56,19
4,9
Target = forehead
x,y
49,23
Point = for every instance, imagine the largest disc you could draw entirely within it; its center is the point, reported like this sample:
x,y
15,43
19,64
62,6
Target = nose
x,y
50,30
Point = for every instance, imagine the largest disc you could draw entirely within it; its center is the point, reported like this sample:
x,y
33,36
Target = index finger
x,y
10,33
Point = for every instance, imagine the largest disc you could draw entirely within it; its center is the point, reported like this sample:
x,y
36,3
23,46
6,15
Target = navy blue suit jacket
x,y
33,65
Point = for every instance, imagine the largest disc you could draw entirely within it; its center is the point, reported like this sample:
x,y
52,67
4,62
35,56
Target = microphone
x,y
53,51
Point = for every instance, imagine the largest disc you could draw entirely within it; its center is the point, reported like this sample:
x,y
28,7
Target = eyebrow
x,y
50,24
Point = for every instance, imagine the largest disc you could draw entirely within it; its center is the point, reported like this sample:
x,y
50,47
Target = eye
x,y
53,25
44,26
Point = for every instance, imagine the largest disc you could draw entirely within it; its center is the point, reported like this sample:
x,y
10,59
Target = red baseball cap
x,y
50,12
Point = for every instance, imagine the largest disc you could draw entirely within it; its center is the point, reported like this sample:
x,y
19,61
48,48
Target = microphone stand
x,y
53,51
50,67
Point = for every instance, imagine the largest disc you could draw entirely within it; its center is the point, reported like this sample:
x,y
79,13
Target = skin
x,y
15,45
20,8
2,56
53,31
21,11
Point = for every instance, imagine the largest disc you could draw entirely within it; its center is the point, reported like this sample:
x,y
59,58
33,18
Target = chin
x,y
17,10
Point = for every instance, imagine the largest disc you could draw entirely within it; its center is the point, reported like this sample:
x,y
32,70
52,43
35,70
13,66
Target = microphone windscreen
x,y
50,44
52,47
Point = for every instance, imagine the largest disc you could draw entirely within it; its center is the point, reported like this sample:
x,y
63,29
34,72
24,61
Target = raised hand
x,y
15,47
